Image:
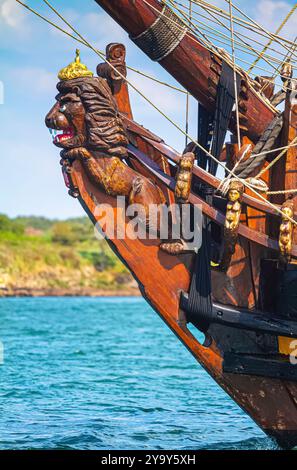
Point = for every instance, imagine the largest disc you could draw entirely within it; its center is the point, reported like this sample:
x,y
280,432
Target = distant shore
x,y
40,257
73,292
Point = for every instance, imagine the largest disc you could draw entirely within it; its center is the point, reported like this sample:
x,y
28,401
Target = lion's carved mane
x,y
104,128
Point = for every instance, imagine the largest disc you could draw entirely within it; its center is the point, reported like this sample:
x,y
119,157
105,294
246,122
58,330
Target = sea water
x,y
107,373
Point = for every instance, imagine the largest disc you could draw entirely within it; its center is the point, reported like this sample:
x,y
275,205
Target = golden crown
x,y
75,70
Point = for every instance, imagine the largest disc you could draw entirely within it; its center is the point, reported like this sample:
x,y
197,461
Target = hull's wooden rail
x,y
214,214
203,175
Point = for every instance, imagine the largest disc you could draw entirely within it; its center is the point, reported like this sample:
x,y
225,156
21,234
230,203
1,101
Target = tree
x,y
62,233
8,225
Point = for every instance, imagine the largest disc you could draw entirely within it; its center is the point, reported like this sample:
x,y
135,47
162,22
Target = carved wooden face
x,y
234,195
87,116
288,212
68,116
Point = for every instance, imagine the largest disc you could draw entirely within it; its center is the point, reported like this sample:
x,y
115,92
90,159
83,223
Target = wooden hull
x,y
271,403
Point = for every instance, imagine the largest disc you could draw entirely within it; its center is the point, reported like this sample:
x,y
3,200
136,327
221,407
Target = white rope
x,y
242,44
234,76
214,19
188,94
224,185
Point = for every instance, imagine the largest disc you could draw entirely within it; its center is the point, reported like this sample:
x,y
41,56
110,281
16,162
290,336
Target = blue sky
x,y
32,53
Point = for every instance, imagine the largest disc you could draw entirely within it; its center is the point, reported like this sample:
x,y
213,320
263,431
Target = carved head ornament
x,y
235,191
75,69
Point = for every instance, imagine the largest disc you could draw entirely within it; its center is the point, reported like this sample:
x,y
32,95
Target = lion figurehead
x,y
86,114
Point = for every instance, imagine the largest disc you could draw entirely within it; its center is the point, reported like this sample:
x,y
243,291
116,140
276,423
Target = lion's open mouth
x,y
62,136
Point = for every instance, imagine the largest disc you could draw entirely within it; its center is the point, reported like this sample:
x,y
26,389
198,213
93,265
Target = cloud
x,y
12,14
103,27
97,28
43,80
168,100
270,14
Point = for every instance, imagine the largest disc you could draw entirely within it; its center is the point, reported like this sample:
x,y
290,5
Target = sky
x,y
32,53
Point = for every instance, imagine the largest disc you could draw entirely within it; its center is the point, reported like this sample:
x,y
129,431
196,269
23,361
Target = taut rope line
x,y
82,42
271,39
242,45
234,76
251,25
215,19
212,48
188,94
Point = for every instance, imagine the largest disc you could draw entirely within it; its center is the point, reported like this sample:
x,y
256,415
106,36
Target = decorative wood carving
x,y
232,221
286,232
95,143
184,177
116,56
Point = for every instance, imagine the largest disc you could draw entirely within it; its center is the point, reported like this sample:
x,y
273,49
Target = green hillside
x,y
39,256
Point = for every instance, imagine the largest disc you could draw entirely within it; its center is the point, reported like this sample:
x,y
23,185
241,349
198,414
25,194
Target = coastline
x,y
71,292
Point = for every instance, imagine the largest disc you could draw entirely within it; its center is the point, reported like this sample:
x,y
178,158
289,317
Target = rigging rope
x,y
212,49
273,36
287,58
188,23
139,72
234,76
276,159
284,22
214,18
250,25
266,142
128,67
188,94
242,44
102,56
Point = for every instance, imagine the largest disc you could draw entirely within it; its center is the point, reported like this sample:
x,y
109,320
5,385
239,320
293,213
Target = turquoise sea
x,y
82,373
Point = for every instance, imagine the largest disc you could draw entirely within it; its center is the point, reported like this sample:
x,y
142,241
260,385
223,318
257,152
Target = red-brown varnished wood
x,y
290,162
95,177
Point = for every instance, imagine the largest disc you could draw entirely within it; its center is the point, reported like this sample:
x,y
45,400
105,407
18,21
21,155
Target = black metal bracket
x,y
240,318
259,366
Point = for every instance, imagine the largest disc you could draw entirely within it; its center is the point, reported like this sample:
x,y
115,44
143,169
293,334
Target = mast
x,y
196,68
